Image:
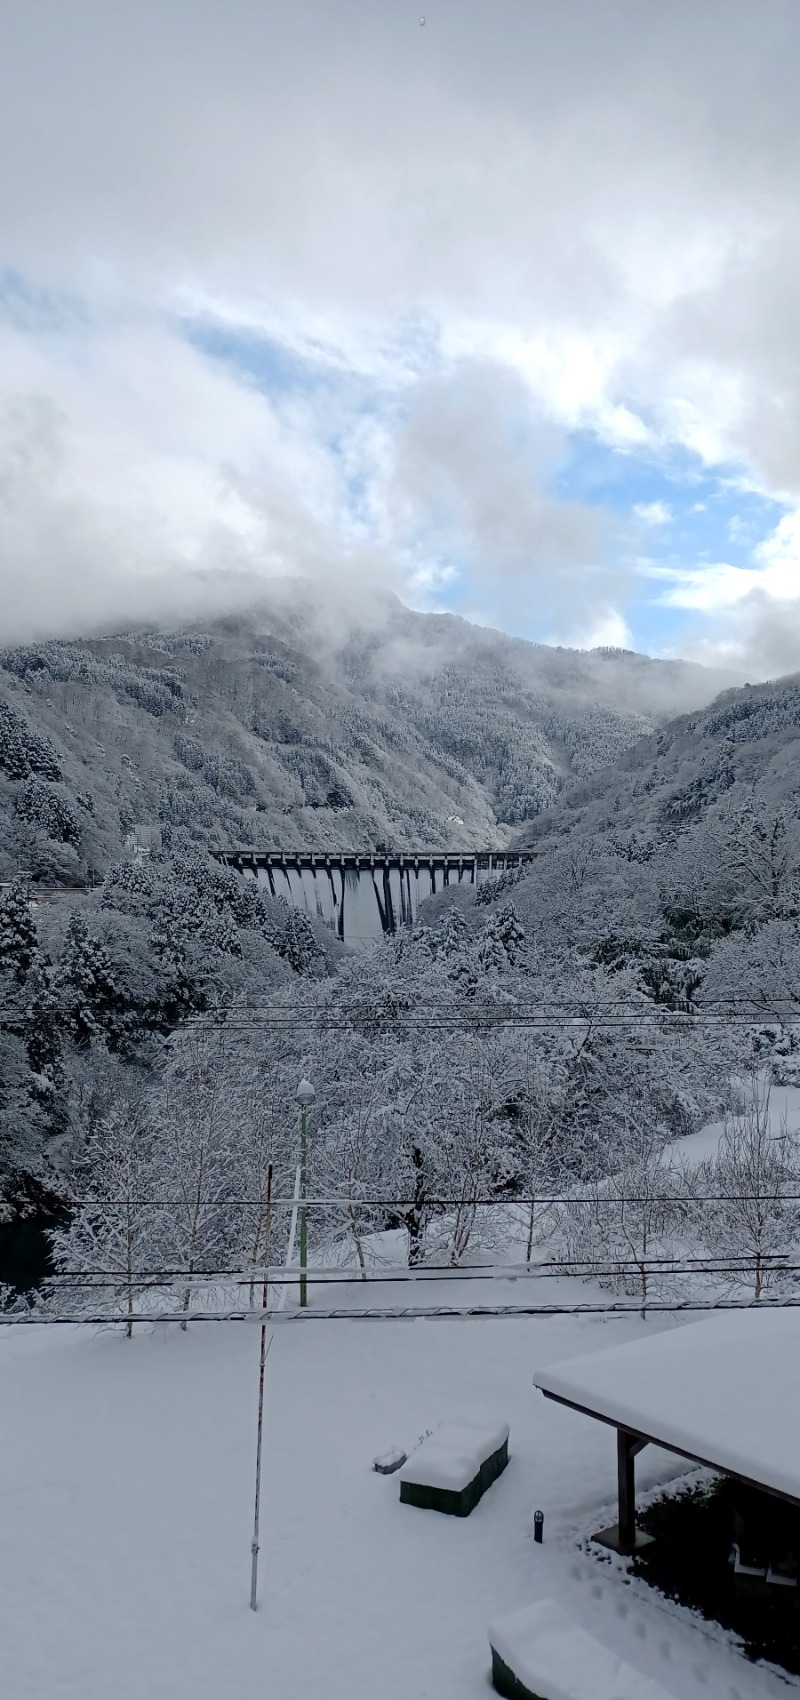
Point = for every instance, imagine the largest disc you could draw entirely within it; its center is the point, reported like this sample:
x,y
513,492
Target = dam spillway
x,y
361,897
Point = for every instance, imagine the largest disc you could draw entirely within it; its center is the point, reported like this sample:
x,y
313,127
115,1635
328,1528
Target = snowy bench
x,y
540,1653
452,1469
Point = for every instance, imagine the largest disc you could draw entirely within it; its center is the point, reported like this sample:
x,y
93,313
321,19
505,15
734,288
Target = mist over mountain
x,y
745,745
302,724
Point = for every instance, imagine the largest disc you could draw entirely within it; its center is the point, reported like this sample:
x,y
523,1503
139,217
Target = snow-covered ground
x,y
784,1115
126,1482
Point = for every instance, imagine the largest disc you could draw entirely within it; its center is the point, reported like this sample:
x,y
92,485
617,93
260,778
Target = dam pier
x,y
362,897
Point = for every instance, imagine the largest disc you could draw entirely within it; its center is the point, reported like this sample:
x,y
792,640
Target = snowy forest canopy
x,y
553,1028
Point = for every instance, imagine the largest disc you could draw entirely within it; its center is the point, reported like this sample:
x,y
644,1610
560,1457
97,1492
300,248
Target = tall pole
x,y
303,1212
304,1096
262,1364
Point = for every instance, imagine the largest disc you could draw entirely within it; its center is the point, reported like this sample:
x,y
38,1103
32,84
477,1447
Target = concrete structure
x,y
361,897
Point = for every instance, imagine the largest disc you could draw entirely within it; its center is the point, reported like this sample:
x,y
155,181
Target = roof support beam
x,y
670,1446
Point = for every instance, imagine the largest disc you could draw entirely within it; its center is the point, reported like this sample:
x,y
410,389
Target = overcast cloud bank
x,y
314,289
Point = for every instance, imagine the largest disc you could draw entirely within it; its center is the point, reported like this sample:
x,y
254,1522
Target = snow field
x,y
126,1482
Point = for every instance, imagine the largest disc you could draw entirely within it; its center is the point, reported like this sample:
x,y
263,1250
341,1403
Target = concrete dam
x,y
361,897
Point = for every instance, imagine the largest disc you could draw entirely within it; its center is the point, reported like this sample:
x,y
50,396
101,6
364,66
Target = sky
x,y
493,305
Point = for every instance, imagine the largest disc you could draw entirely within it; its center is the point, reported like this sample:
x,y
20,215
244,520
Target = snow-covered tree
x,y
22,751
745,1209
504,934
198,1142
18,935
298,944
757,970
86,985
621,1223
44,1047
114,1247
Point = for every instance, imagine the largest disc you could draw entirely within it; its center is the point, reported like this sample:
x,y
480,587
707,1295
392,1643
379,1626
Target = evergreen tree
x,y
21,751
505,930
453,935
298,945
86,982
18,937
43,1045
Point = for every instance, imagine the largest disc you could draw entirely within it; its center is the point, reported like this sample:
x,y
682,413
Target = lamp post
x,y
305,1096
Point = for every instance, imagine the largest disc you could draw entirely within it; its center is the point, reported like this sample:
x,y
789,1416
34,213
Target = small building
x,y
723,1392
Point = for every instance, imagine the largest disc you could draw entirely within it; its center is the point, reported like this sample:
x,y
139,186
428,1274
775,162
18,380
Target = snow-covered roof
x,y
725,1391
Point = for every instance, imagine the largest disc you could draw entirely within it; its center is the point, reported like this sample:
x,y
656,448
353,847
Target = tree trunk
x,y
415,1217
356,1233
529,1245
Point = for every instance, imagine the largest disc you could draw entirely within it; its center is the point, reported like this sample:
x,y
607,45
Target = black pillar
x,y
627,1447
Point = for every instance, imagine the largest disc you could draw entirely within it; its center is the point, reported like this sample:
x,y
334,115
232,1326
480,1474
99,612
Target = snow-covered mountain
x,y
681,860
746,740
666,872
298,726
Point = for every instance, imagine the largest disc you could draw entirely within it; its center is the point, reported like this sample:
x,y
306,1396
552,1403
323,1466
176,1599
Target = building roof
x,y
724,1391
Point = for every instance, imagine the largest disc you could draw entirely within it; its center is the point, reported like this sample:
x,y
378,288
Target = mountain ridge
x,y
305,724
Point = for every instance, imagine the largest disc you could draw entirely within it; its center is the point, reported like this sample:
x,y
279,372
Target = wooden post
x,y
627,1447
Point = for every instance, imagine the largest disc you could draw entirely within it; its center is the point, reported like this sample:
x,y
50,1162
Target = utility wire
x,y
542,1005
439,1313
541,1201
529,1011
398,1271
291,1278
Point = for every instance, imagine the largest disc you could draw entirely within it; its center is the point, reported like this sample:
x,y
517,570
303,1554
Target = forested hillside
x,y
171,1003
295,728
683,858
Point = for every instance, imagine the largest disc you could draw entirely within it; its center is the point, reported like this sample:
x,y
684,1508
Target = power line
x,y
290,1006
394,1204
279,1273
570,1269
440,1313
528,1010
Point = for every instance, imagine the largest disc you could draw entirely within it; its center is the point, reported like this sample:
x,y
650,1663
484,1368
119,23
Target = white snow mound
x,y
452,1456
550,1654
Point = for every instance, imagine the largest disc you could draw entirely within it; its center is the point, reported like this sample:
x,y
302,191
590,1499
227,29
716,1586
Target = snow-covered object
x,y
725,1391
452,1470
387,1462
542,1651
453,1455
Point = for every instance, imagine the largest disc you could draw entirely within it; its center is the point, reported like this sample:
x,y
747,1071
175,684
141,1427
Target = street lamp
x,y
305,1096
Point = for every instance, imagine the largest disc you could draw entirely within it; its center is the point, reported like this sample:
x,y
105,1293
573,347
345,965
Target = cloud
x,y
750,614
128,455
774,574
759,639
652,513
470,240
473,461
608,630
133,463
